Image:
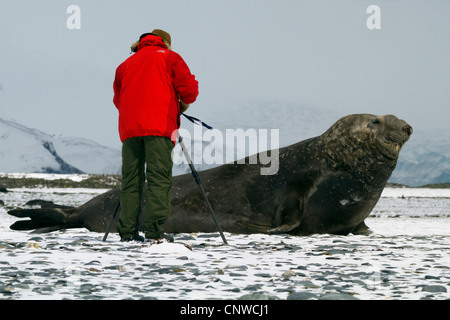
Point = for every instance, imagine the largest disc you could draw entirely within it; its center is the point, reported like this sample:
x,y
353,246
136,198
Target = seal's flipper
x,y
24,225
285,228
362,229
45,219
288,216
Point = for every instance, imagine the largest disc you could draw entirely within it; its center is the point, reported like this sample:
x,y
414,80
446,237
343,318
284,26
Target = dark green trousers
x,y
154,154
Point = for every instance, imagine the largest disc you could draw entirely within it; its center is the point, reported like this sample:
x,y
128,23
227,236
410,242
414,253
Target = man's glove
x,y
183,106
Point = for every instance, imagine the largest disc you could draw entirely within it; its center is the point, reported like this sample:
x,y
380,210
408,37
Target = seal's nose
x,y
408,129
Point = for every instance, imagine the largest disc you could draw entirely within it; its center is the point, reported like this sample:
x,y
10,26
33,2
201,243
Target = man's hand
x,y
183,106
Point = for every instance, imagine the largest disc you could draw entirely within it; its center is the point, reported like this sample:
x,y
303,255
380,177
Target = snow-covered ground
x,y
45,176
407,257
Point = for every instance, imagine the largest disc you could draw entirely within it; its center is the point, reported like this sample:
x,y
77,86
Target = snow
x,y
416,193
46,176
407,253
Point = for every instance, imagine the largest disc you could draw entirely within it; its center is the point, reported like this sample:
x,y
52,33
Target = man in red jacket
x,y
151,89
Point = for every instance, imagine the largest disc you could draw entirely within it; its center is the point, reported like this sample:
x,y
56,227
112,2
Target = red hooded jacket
x,y
147,89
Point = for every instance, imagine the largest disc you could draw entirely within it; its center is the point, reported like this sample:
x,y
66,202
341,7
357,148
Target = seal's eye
x,y
374,123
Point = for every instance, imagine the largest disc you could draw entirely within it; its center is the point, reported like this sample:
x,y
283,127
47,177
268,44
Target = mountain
x,y
29,150
425,158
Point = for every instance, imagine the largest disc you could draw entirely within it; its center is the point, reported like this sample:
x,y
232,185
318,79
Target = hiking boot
x,y
135,237
163,236
168,237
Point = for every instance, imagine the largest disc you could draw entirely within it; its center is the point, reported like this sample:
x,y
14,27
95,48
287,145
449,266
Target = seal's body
x,y
326,184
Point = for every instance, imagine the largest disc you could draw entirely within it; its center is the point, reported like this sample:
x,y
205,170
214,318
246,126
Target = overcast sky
x,y
315,52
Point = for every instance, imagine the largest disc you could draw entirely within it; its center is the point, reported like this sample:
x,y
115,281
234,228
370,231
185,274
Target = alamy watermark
x,y
73,21
374,20
233,146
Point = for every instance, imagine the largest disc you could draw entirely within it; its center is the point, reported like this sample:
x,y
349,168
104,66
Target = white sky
x,y
316,52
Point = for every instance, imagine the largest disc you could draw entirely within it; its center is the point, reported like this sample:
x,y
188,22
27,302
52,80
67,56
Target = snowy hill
x,y
425,159
29,150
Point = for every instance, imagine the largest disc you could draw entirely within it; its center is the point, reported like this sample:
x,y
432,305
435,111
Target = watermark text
x,y
73,21
213,147
374,20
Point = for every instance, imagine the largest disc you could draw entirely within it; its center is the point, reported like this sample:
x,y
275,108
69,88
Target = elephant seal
x,y
326,184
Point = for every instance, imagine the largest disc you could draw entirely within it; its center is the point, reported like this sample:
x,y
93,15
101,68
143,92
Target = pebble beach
x,y
406,258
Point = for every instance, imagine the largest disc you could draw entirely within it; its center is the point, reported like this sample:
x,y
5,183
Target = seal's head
x,y
386,133
389,134
357,136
